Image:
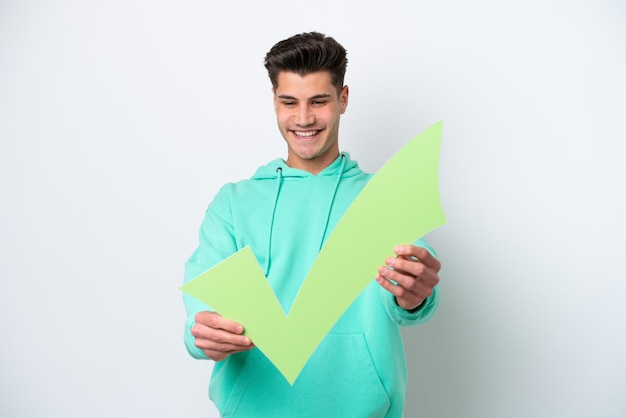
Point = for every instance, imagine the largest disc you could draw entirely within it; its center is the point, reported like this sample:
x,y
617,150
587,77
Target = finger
x,y
215,320
403,283
419,254
397,277
217,355
404,298
426,275
223,346
399,284
217,336
405,266
390,285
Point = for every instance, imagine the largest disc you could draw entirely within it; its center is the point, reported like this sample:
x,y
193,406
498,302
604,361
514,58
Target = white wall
x,y
120,119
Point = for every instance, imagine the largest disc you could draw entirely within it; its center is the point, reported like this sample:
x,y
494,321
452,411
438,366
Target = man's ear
x,y
343,98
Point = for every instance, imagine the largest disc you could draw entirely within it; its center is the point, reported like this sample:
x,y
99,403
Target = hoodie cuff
x,y
420,315
190,341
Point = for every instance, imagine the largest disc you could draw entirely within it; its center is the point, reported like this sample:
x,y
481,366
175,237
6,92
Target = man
x,y
284,213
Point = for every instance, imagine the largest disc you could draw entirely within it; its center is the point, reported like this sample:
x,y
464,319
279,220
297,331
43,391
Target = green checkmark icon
x,y
398,205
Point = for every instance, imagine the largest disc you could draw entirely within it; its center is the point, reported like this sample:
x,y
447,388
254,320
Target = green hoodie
x,y
285,215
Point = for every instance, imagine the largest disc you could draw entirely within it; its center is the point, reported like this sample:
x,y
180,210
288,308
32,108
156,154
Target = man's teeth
x,y
306,134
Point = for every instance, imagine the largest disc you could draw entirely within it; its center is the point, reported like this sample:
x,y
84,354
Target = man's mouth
x,y
305,134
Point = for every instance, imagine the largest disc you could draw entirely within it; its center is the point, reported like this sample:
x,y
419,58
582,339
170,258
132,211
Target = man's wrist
x,y
413,310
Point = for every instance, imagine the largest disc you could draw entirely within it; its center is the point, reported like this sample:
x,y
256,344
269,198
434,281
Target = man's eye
x,y
319,102
289,103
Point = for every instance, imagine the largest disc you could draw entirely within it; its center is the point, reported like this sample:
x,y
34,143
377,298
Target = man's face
x,y
308,109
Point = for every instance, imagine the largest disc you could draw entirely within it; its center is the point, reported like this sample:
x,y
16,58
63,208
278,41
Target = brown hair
x,y
307,53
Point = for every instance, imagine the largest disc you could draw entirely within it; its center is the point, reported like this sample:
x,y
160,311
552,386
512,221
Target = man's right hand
x,y
219,337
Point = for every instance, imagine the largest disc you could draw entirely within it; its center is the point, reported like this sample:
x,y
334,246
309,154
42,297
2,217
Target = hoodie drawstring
x,y
279,181
332,200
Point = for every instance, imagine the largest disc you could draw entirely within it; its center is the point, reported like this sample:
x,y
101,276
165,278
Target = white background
x,y
119,120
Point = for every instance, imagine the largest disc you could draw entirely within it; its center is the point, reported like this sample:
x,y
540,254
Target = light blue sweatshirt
x,y
285,215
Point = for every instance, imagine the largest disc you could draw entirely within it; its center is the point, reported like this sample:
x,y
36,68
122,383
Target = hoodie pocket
x,y
340,380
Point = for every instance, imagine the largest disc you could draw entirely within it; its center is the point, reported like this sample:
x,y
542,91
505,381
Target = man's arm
x,y
207,334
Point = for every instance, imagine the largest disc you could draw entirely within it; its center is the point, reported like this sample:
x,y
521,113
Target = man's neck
x,y
314,165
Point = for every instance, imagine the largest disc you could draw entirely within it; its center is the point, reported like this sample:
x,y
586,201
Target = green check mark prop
x,y
398,205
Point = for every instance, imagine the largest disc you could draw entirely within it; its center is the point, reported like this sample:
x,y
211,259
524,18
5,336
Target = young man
x,y
284,213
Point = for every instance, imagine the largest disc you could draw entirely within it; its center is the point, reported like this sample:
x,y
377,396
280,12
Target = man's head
x,y
307,53
307,73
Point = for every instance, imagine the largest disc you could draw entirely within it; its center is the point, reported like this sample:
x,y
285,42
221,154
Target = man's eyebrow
x,y
316,97
320,96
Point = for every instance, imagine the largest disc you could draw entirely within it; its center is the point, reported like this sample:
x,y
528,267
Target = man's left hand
x,y
411,276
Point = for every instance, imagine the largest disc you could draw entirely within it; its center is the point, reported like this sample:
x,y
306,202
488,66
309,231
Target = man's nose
x,y
305,117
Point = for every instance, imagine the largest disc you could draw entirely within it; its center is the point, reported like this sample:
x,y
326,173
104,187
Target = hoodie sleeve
x,y
424,313
216,242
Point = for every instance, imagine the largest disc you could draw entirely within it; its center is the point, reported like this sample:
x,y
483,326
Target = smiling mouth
x,y
305,134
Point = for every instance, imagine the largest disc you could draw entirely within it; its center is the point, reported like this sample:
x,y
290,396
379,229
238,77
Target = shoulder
x,y
258,185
